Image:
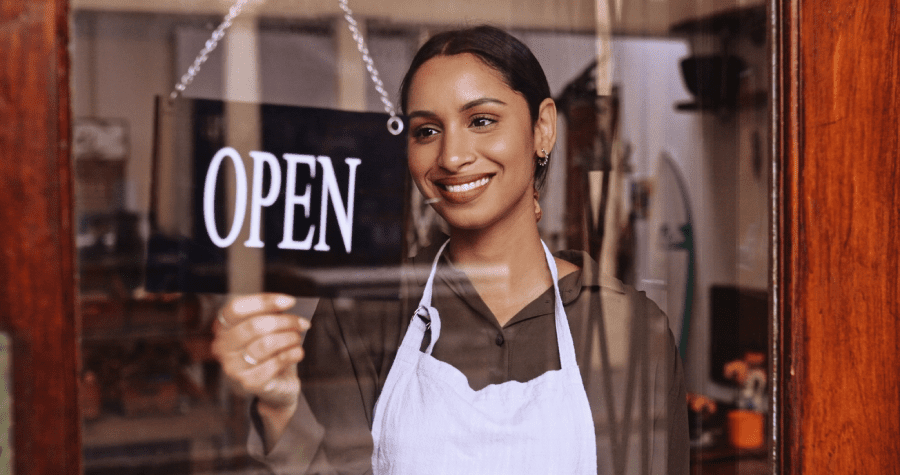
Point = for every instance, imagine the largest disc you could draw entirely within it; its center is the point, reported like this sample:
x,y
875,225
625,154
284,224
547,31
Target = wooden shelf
x,y
731,22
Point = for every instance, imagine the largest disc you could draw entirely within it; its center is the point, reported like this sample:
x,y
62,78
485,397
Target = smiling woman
x,y
490,374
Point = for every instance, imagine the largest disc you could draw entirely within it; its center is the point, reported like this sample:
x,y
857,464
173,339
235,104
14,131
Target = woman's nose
x,y
456,152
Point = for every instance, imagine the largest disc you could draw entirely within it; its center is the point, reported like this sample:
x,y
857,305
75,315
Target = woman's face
x,y
471,143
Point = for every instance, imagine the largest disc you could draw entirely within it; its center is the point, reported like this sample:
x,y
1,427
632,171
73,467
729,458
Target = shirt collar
x,y
587,275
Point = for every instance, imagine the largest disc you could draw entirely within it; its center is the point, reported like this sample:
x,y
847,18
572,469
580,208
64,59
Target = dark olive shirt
x,y
630,365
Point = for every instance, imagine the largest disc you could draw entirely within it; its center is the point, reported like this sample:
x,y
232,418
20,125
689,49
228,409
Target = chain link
x,y
208,48
395,124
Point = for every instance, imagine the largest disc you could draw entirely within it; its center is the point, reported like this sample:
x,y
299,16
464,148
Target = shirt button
x,y
500,339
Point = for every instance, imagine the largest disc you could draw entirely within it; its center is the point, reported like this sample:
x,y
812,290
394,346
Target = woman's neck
x,y
506,265
501,243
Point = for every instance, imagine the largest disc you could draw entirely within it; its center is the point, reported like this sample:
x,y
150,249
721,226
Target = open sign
x,y
261,161
322,195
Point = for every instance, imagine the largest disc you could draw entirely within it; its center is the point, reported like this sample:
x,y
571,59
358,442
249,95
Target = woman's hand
x,y
259,346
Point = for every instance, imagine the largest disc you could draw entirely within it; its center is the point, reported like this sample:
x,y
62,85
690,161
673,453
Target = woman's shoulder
x,y
589,273
614,291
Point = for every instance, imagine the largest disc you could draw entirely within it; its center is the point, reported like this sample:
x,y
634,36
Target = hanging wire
x,y
394,125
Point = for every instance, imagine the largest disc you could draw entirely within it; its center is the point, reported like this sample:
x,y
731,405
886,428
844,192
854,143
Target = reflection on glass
x,y
663,182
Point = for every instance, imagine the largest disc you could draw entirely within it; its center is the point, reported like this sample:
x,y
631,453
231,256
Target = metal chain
x,y
211,44
395,125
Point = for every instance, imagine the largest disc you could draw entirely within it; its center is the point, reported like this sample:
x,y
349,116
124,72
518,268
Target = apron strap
x,y
563,333
425,313
429,284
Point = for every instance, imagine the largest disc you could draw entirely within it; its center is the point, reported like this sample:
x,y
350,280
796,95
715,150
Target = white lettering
x,y
330,189
240,196
257,200
292,199
264,198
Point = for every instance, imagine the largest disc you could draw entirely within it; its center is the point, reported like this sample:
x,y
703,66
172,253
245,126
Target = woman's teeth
x,y
467,186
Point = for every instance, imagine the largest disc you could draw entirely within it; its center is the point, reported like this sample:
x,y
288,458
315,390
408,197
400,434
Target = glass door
x,y
660,173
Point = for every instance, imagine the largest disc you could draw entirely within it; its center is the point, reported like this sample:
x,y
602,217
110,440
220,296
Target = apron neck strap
x,y
429,284
426,311
563,333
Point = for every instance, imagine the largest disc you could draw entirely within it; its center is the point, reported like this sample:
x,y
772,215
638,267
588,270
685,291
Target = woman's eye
x,y
424,132
479,122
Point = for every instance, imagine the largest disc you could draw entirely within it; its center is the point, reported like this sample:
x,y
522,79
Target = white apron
x,y
428,420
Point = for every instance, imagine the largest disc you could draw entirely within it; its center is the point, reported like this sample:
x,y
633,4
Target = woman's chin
x,y
476,222
465,221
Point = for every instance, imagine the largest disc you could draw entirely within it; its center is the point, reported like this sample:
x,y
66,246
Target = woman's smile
x,y
460,190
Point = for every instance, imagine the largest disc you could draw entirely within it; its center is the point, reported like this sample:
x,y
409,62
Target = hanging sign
x,y
312,199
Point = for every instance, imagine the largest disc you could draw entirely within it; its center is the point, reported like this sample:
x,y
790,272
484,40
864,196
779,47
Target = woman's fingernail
x,y
285,301
304,324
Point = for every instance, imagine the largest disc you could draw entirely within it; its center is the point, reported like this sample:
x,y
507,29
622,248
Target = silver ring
x,y
221,319
395,125
249,359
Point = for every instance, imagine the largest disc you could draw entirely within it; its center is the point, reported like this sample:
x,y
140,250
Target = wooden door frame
x,y
836,297
836,290
37,279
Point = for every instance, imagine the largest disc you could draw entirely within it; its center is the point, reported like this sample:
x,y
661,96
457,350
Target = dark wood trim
x,y
37,279
838,286
786,394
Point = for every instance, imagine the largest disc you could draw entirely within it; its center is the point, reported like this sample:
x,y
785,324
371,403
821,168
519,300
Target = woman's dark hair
x,y
502,52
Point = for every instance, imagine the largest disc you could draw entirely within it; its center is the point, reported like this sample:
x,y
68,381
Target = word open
x,y
260,198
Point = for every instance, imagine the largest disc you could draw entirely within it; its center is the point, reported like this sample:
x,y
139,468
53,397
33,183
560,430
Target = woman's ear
x,y
545,127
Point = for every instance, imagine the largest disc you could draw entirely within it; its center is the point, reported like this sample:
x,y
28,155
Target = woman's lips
x,y
461,190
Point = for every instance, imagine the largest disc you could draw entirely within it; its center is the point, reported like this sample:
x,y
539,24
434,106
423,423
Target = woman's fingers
x,y
253,328
241,308
269,346
274,380
255,378
235,360
259,346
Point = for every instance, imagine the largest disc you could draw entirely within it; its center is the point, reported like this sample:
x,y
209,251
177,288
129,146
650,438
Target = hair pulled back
x,y
497,49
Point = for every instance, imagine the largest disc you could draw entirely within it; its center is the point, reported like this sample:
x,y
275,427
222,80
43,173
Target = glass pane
x,y
727,74
658,170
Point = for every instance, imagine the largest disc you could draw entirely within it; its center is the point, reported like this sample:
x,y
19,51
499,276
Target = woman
x,y
476,370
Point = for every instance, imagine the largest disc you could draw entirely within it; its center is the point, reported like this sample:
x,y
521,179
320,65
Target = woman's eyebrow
x,y
478,102
415,114
465,107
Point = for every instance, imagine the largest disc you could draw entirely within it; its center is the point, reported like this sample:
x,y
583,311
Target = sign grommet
x,y
395,125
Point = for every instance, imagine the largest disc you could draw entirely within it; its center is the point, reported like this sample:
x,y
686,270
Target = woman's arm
x,y
258,346
274,420
330,430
